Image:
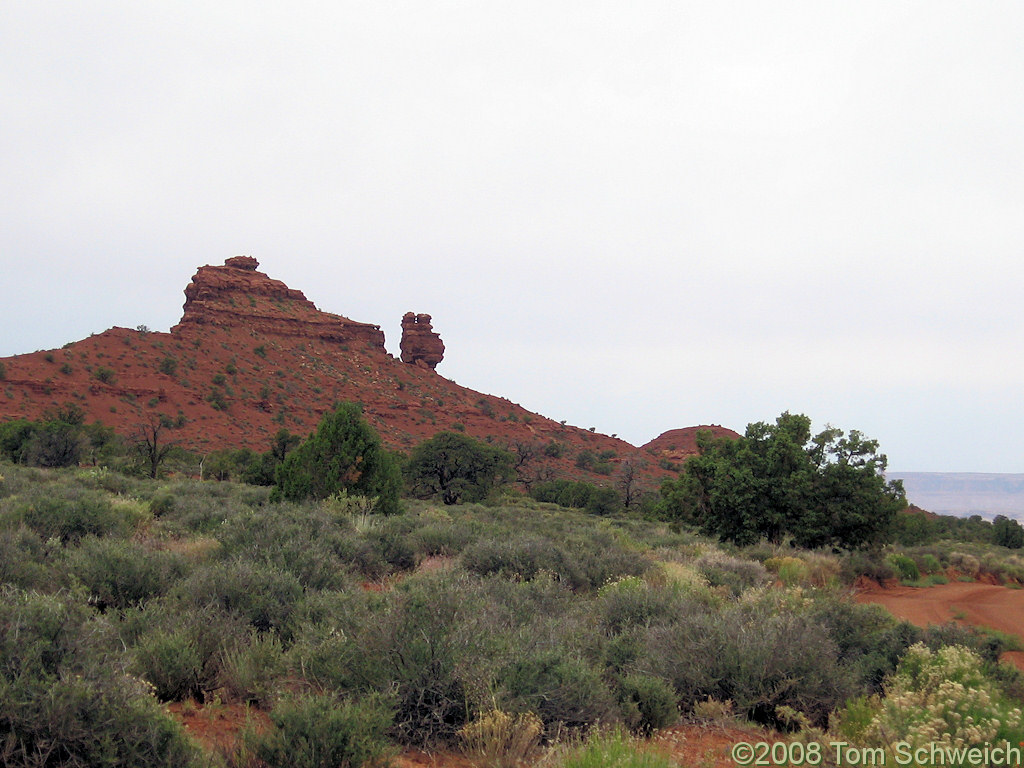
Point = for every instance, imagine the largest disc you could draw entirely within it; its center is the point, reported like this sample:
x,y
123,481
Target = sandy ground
x,y
982,605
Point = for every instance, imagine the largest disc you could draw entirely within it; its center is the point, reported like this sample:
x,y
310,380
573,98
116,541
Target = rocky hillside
x,y
251,355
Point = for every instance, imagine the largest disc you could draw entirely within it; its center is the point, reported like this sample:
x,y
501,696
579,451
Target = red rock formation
x,y
236,295
677,445
420,344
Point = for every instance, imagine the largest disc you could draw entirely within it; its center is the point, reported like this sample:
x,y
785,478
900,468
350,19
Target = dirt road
x,y
982,605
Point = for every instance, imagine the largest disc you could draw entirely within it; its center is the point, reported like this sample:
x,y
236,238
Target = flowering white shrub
x,y
941,697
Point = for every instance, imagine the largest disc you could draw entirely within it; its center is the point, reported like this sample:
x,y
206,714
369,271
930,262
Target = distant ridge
x,y
965,493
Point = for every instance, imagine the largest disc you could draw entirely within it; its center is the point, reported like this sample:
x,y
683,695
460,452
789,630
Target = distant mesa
x,y
420,344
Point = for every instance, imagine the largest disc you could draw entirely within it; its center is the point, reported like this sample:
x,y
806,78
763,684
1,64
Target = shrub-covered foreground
x,y
492,629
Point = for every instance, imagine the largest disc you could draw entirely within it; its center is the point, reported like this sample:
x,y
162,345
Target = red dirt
x,y
981,605
218,727
252,356
705,745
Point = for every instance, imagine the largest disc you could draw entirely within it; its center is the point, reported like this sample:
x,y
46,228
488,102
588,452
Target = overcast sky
x,y
634,216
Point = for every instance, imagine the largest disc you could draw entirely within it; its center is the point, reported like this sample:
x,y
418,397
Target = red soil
x,y
982,605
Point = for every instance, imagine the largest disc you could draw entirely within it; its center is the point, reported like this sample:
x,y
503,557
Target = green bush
x,y
66,700
262,594
905,567
441,539
432,643
936,696
170,661
456,468
26,561
319,731
648,703
561,688
250,668
734,574
120,573
759,656
345,454
70,514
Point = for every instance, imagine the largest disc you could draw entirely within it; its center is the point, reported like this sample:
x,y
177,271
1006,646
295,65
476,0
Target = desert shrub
x,y
867,563
732,573
429,644
561,688
170,661
321,731
869,640
928,563
443,538
648,703
791,571
251,667
520,558
967,564
298,539
261,593
25,560
759,656
162,502
496,739
905,567
564,493
941,697
120,573
69,514
630,602
66,698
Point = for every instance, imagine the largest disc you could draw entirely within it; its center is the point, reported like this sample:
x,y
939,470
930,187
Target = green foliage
x,y
614,748
121,573
456,468
70,515
345,454
320,731
105,375
1007,532
905,567
67,700
169,660
594,462
944,697
561,688
169,366
554,449
649,703
262,594
778,481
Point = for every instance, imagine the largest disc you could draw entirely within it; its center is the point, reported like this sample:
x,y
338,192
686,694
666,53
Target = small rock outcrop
x,y
420,344
237,295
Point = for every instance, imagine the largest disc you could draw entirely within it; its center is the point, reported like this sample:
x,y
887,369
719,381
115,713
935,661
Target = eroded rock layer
x,y
237,295
420,344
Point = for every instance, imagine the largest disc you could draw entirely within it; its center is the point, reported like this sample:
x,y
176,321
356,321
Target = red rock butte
x,y
251,356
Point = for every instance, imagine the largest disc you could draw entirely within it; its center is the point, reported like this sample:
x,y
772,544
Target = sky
x,y
633,216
